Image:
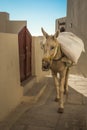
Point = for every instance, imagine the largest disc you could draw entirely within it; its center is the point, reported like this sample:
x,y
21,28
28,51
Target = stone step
x,y
36,91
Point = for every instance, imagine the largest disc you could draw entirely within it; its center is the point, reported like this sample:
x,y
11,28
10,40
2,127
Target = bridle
x,y
57,49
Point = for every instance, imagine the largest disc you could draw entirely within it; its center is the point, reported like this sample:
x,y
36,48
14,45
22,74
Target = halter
x,y
60,58
55,53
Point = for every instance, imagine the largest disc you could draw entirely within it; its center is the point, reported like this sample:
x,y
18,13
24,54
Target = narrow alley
x,y
42,114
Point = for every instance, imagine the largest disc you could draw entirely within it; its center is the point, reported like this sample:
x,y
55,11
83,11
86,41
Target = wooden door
x,y
24,39
28,53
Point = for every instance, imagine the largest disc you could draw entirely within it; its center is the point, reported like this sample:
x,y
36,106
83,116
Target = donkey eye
x,y
52,47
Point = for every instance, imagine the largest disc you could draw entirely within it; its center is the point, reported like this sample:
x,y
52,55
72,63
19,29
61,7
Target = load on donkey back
x,y
61,51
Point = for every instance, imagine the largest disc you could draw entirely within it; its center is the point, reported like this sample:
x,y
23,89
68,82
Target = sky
x,y
37,13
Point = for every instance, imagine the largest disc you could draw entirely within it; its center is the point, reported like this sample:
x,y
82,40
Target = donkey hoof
x,y
56,99
60,110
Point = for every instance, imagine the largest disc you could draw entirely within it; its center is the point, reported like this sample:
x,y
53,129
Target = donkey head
x,y
50,48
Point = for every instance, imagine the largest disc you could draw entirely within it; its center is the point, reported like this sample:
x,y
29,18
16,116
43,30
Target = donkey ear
x,y
44,33
56,34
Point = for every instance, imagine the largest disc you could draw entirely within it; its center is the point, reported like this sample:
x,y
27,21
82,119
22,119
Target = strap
x,y
58,59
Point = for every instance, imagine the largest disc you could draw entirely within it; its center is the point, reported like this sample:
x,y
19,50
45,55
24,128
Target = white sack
x,y
71,45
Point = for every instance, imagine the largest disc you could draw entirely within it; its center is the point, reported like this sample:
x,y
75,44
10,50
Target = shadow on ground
x,y
43,114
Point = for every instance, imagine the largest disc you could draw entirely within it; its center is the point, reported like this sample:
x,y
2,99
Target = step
x,y
36,91
27,84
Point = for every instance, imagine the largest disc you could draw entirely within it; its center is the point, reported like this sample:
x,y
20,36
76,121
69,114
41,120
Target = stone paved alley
x,y
42,115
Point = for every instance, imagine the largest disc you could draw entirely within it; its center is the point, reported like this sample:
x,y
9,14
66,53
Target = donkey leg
x,y
61,91
57,87
66,81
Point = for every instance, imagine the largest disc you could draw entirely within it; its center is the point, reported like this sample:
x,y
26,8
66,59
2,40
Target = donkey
x,y
55,60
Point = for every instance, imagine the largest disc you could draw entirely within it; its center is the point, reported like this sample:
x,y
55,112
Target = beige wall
x,y
10,89
77,23
4,17
15,26
37,54
8,26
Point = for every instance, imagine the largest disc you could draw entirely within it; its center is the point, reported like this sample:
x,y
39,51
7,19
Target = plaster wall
x,y
8,26
37,56
10,89
77,23
4,17
15,26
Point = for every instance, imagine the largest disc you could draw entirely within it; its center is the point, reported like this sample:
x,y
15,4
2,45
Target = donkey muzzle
x,y
45,65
